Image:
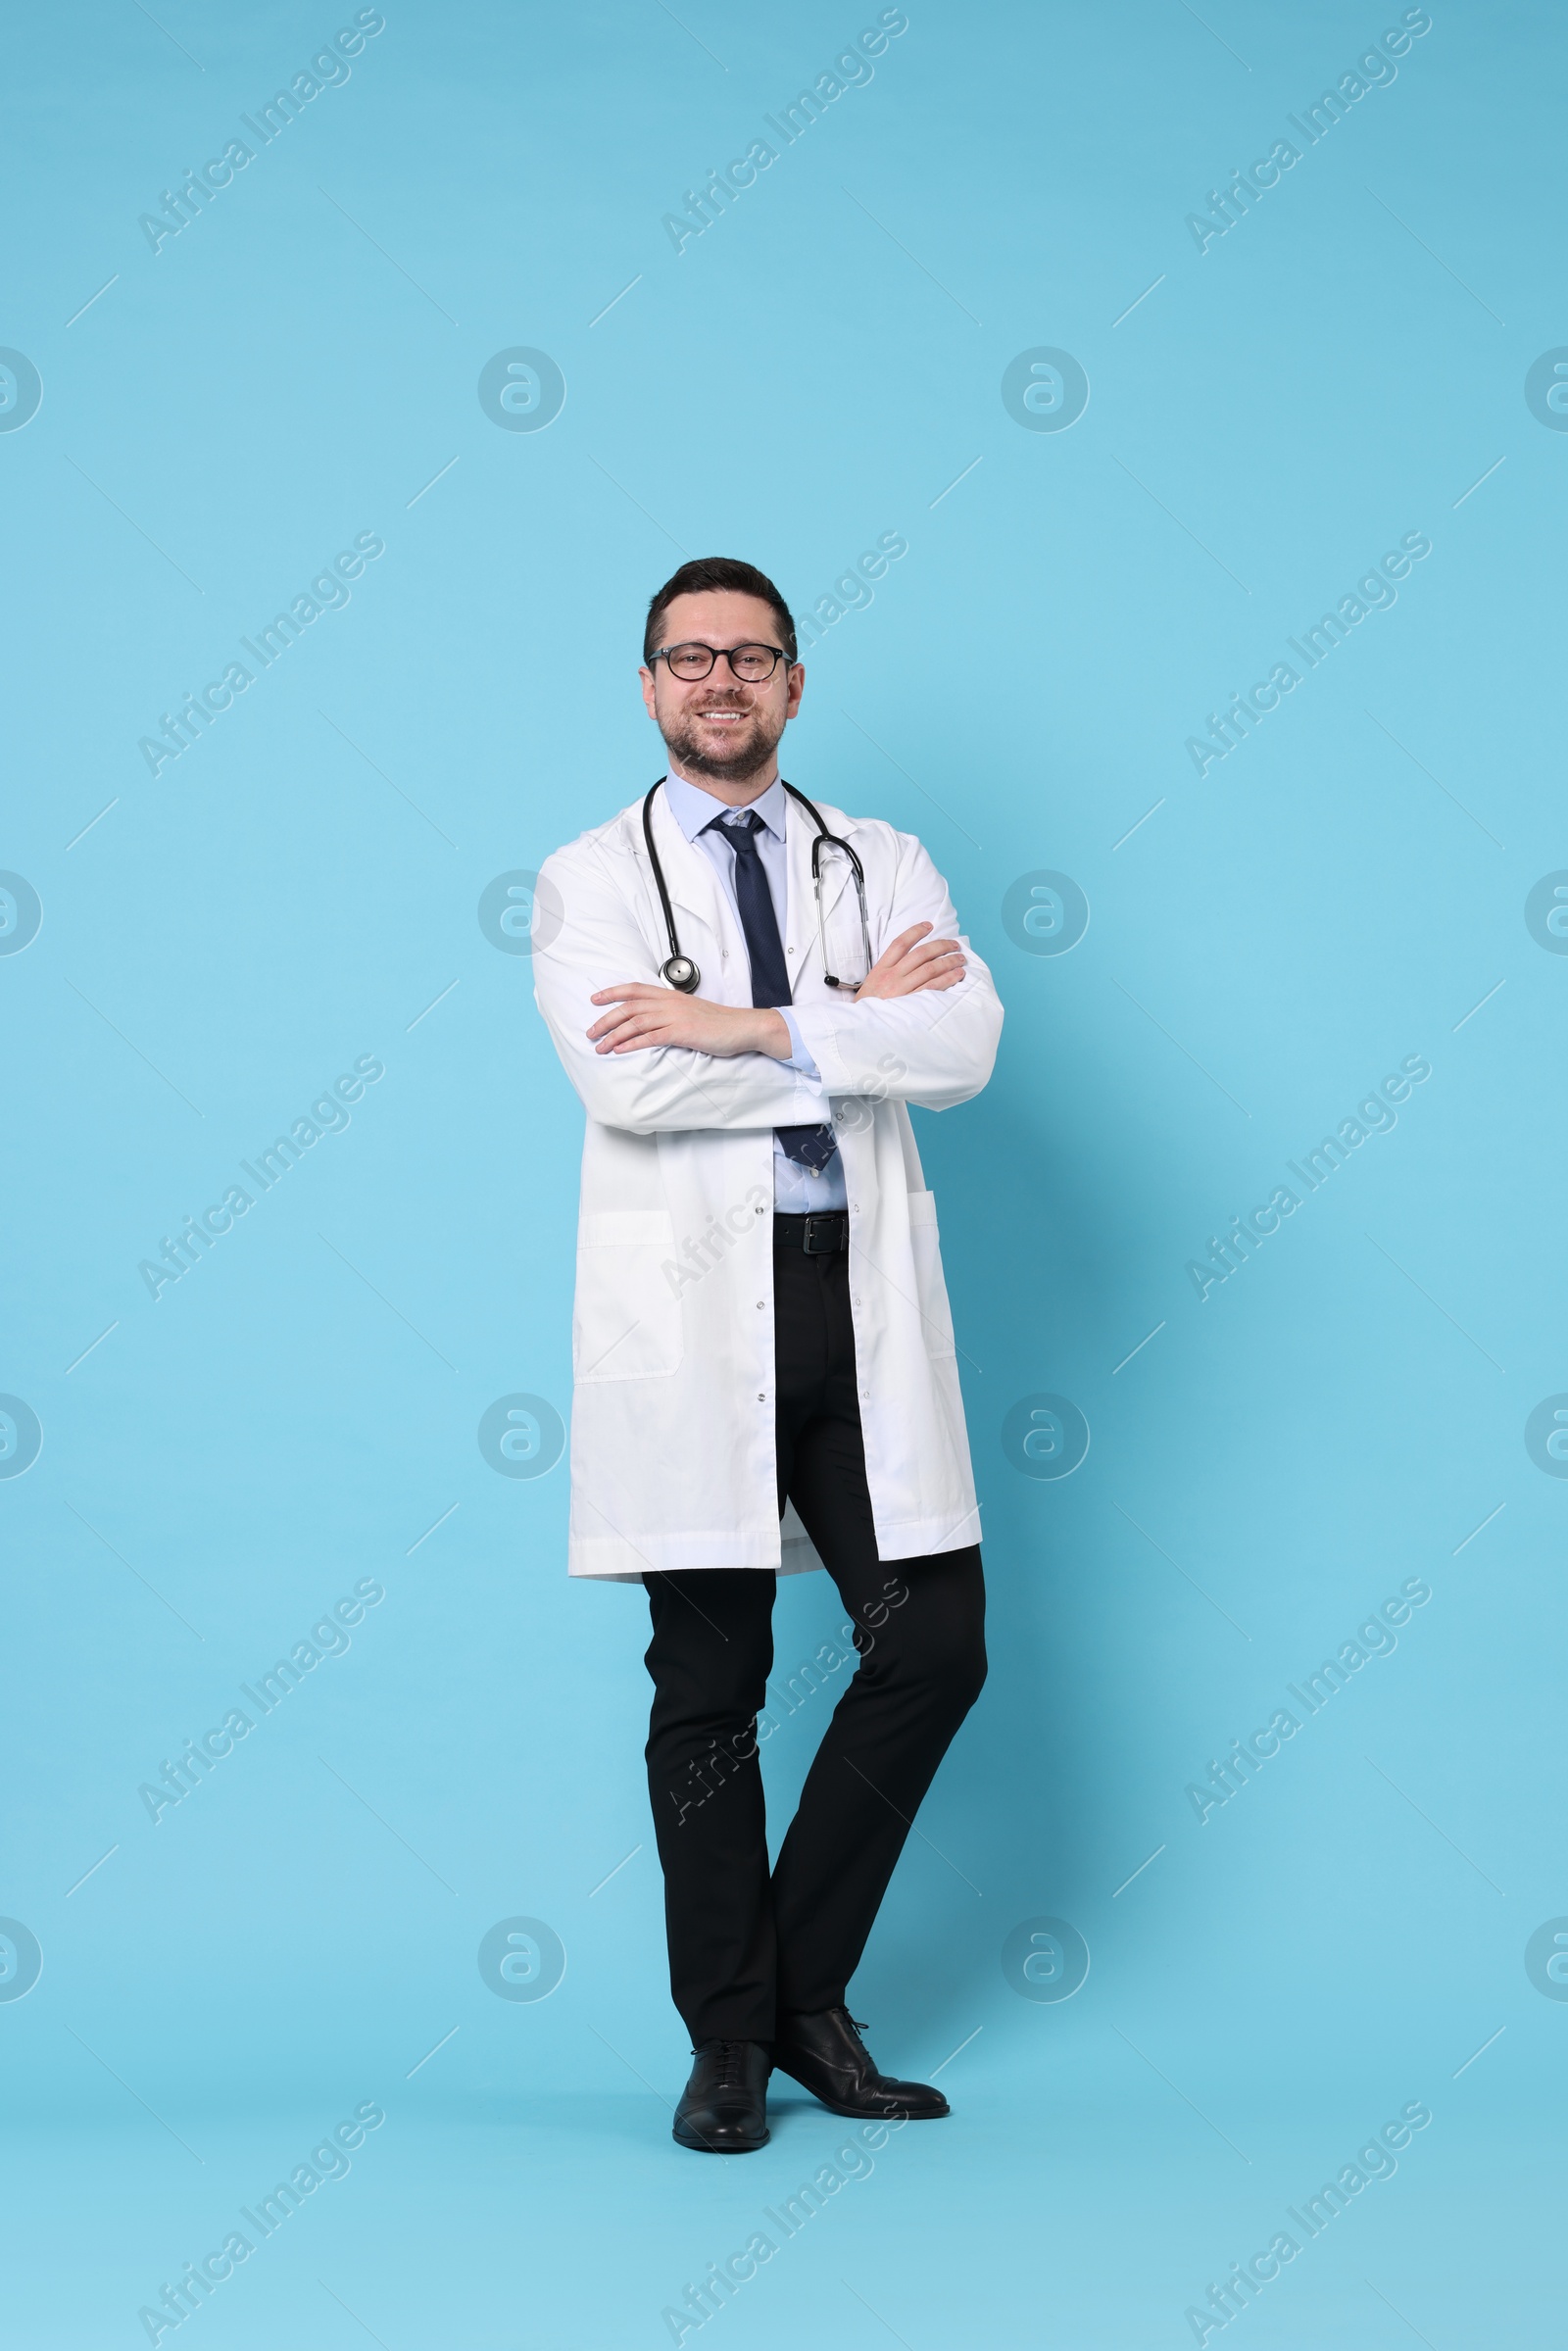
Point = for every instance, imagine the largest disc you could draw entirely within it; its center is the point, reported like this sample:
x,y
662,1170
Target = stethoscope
x,y
679,972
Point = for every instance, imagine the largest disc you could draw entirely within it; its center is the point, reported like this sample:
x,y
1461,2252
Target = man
x,y
763,1355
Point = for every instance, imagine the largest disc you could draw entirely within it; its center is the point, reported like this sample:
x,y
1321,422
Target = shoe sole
x,y
881,2114
705,2146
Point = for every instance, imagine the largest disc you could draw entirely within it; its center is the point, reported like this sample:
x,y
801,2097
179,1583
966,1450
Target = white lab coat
x,y
672,1452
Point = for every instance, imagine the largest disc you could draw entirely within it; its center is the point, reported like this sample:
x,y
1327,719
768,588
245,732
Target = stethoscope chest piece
x,y
679,972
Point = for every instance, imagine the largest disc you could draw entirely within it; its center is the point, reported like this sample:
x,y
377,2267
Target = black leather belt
x,y
819,1236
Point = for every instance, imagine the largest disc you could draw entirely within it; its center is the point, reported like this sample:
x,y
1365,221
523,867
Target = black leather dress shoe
x,y
723,2108
826,2055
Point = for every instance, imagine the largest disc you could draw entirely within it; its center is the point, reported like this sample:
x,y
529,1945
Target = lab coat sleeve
x,y
935,1049
589,940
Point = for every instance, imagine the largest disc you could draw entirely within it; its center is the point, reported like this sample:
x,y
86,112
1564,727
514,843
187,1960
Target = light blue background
x,y
300,889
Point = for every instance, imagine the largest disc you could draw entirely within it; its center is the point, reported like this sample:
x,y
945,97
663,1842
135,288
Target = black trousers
x,y
744,1946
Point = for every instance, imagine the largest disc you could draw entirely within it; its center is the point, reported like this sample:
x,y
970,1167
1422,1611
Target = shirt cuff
x,y
799,1058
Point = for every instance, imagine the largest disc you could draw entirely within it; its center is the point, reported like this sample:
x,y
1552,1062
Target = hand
x,y
646,1016
914,961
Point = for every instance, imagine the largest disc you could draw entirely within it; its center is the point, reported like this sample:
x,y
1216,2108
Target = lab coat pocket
x,y
931,1290
627,1320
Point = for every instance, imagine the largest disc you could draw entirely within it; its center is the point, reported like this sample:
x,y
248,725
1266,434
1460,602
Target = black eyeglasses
x,y
753,665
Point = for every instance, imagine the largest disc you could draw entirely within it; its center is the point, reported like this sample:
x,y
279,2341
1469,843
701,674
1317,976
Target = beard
x,y
744,752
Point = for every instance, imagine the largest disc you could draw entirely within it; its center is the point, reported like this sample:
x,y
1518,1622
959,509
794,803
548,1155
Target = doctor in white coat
x,y
747,988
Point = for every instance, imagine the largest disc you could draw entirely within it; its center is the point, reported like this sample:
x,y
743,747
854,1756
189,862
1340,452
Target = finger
x,y
933,947
900,946
632,999
655,1022
919,987
625,989
637,1039
915,973
616,1024
945,975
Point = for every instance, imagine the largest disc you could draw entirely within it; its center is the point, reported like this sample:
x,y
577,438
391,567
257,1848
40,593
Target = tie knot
x,y
744,835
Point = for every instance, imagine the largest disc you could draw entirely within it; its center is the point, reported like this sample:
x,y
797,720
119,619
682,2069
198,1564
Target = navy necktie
x,y
810,1148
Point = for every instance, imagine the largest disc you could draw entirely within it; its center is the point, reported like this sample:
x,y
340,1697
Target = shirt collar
x,y
694,808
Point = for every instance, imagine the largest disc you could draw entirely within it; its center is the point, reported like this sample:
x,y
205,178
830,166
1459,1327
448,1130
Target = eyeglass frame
x,y
725,651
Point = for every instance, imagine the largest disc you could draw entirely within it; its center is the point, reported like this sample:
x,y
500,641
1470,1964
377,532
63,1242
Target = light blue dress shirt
x,y
796,1192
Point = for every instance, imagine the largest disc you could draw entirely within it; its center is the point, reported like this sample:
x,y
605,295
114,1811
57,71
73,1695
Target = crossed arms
x,y
649,1060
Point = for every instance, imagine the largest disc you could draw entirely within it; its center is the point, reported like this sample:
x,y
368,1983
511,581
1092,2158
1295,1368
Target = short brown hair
x,y
708,573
